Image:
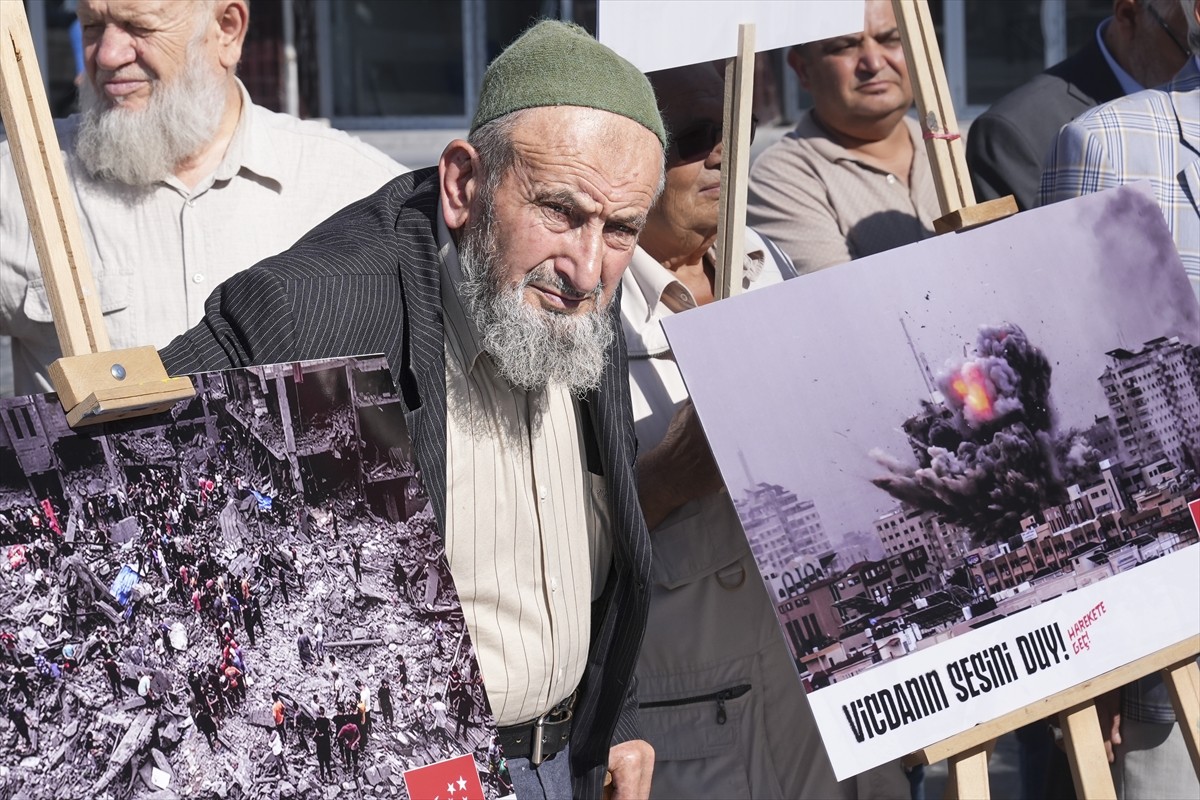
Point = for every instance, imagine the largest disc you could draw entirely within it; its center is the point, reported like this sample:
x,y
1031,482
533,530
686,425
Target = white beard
x,y
140,148
531,347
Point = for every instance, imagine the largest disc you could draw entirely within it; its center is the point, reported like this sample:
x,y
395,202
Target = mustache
x,y
547,276
129,74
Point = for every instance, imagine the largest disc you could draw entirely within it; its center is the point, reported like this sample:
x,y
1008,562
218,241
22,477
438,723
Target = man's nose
x,y
114,48
713,159
870,56
582,267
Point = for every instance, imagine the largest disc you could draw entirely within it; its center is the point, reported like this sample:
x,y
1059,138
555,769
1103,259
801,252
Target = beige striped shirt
x,y
526,523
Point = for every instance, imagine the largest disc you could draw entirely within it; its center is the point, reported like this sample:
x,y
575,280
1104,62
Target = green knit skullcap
x,y
560,64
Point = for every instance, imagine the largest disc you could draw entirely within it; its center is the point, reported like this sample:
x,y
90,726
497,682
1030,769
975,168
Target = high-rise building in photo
x,y
781,526
1154,395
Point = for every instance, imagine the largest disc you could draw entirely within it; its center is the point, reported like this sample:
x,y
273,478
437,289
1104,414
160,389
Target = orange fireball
x,y
971,386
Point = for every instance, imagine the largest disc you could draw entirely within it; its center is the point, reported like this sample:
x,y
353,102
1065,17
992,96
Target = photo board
x,y
276,521
964,465
660,34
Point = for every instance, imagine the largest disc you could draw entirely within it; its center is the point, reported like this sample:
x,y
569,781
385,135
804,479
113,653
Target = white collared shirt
x,y
650,294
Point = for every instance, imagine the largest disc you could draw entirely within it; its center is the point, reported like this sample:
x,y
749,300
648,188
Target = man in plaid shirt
x,y
1152,136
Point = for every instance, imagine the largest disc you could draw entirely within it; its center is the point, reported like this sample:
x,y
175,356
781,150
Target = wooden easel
x,y
93,383
735,166
967,753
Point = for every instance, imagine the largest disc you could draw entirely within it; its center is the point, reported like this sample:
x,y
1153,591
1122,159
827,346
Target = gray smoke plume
x,y
986,453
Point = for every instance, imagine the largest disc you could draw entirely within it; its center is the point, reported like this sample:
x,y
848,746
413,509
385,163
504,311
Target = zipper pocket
x,y
720,697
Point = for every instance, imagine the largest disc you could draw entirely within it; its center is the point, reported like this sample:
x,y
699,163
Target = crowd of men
x,y
583,559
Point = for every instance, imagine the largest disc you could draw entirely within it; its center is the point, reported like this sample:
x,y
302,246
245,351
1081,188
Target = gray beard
x,y
531,347
140,148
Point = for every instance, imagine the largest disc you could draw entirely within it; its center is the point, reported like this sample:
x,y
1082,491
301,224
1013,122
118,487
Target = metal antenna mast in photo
x,y
94,384
967,753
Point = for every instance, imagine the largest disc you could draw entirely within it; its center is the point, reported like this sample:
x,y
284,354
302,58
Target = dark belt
x,y
539,738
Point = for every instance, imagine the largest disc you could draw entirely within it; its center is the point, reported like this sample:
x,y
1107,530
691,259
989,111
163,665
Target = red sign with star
x,y
452,779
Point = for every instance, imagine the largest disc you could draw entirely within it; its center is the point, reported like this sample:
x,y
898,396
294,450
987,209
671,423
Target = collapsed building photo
x,y
244,597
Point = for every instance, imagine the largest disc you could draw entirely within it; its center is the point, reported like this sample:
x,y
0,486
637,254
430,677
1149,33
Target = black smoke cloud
x,y
986,452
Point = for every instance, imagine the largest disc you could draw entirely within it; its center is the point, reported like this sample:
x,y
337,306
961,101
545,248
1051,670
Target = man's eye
x,y
623,235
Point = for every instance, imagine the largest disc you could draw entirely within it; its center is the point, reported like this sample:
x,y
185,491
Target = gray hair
x,y
1193,34
493,141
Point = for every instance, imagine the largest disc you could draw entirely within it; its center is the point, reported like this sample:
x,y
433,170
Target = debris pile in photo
x,y
295,473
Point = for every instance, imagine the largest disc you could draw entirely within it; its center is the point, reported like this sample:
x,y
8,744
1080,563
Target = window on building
x,y
16,424
421,61
398,59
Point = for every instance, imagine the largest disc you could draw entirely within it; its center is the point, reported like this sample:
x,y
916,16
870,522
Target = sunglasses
x,y
1162,23
697,141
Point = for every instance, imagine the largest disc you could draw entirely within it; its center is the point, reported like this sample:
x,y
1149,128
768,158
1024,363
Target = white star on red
x,y
462,782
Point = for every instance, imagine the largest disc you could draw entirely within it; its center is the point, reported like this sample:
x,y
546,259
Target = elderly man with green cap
x,y
490,283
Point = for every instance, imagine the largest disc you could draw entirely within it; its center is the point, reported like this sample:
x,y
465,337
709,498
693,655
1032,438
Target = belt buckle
x,y
563,711
535,746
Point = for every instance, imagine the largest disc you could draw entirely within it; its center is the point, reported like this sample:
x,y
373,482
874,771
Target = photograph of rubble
x,y
954,432
244,597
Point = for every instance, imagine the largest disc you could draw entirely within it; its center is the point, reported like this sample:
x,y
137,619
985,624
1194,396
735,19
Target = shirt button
x,y
197,278
891,178
542,492
554,584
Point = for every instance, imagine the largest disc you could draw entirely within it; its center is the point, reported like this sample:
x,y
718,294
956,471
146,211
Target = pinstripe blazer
x,y
367,281
1153,136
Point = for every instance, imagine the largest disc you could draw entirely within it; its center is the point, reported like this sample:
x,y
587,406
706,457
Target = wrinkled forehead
x,y
142,11
879,17
600,152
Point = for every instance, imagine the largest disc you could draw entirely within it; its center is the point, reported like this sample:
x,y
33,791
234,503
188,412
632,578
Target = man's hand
x,y
678,469
631,765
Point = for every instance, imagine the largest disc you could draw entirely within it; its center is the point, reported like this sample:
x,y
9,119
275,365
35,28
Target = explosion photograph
x,y
986,451
930,440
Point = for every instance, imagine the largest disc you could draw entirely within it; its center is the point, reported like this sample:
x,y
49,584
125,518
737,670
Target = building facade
x,y
1154,395
781,527
418,63
905,529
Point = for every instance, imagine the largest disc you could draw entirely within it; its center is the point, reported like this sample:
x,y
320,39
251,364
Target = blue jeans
x,y
550,780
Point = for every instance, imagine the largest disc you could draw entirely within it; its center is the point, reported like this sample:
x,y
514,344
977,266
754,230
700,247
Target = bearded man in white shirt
x,y
179,179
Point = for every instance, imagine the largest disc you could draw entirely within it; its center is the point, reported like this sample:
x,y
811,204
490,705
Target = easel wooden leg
x,y
735,166
968,774
1183,679
1085,749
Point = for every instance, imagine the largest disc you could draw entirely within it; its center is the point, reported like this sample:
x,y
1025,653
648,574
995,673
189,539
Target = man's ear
x,y
796,61
1125,15
233,20
460,177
